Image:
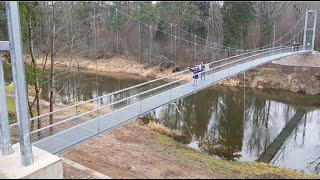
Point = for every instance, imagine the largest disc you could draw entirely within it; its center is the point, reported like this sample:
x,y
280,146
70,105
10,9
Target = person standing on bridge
x,y
202,70
195,76
296,46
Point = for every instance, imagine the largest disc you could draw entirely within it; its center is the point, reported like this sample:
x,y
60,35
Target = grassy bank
x,y
229,168
114,64
299,81
137,150
11,101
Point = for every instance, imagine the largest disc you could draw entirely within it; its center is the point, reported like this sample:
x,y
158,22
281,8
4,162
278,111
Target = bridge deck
x,y
67,139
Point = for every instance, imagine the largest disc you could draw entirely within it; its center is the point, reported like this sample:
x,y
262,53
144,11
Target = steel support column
x,y
305,30
313,29
5,136
18,74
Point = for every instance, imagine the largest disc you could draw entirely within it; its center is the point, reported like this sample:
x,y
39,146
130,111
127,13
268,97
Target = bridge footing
x,y
46,165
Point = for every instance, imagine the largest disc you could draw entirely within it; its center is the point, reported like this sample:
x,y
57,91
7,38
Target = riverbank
x,y
116,64
300,74
135,151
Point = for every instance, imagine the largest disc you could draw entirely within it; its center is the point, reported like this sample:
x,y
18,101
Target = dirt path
x,y
132,151
70,172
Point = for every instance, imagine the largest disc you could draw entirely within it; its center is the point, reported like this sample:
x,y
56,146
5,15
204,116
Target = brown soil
x,y
73,173
297,74
307,60
134,151
131,151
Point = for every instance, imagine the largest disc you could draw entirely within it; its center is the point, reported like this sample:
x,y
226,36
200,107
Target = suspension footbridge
x,y
68,129
153,98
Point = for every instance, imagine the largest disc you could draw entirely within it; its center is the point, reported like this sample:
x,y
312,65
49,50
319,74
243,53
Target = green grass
x,y
9,89
11,109
162,139
11,103
230,168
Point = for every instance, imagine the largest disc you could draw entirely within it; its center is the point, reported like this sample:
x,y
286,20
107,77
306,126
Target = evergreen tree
x,y
266,23
236,22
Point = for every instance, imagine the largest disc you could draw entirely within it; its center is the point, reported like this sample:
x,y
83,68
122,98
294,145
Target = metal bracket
x,y
4,46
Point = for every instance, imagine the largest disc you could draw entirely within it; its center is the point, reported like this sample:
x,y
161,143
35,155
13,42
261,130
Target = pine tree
x,y
236,22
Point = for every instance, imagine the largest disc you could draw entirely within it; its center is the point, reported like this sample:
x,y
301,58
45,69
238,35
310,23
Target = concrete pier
x,y
46,166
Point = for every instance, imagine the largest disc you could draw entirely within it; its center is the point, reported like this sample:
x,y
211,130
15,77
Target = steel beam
x,y
5,136
305,29
314,28
14,31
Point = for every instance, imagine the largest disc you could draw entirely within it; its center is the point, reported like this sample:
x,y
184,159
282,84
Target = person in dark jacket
x,y
296,46
195,76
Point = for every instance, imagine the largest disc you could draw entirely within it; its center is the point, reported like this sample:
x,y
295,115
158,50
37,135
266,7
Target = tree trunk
x,y
52,88
34,66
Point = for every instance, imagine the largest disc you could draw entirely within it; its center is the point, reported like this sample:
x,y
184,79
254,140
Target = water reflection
x,y
302,147
238,124
85,86
227,124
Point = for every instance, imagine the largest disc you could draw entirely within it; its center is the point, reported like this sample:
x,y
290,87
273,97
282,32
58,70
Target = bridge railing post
x,y
140,106
98,111
212,74
170,92
16,52
5,135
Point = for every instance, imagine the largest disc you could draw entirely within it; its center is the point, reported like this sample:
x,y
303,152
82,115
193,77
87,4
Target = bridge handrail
x,y
139,85
150,90
278,47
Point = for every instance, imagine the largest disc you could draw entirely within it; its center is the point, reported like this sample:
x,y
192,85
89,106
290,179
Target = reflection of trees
x,y
316,165
215,118
171,117
82,86
262,134
231,125
225,138
259,138
197,112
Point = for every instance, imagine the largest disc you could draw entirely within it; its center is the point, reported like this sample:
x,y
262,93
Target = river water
x,y
237,124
